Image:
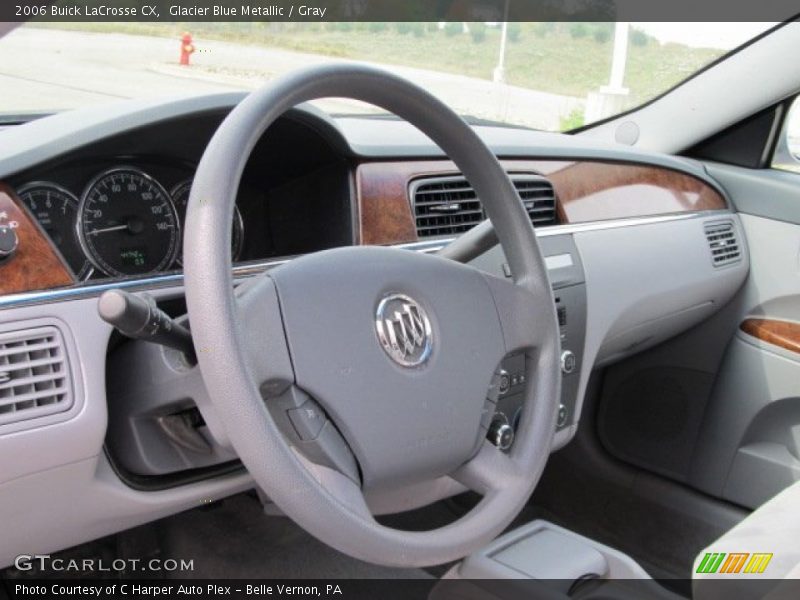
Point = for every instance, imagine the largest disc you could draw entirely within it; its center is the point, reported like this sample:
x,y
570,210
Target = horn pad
x,y
380,338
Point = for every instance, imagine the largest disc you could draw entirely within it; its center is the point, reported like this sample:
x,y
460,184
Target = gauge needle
x,y
107,229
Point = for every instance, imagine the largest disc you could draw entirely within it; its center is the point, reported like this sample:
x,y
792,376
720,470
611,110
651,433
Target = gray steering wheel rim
x,y
284,476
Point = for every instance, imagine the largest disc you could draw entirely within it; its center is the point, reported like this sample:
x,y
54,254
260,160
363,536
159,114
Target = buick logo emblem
x,y
404,330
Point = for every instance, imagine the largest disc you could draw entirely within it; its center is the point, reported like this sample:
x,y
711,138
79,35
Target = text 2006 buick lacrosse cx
x,y
454,301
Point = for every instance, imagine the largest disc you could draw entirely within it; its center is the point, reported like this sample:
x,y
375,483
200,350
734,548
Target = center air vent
x,y
34,378
448,205
722,241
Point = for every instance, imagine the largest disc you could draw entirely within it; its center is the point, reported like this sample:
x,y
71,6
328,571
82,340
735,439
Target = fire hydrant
x,y
187,48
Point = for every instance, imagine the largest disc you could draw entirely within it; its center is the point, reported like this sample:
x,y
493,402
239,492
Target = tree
x,y
639,37
578,30
478,32
602,34
452,28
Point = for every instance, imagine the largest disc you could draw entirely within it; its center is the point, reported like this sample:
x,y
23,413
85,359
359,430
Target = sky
x,y
705,35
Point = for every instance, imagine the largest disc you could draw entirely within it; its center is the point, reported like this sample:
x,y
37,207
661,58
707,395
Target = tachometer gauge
x,y
127,223
180,196
56,209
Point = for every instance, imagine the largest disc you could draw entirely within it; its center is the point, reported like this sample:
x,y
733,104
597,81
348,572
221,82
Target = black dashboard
x,y
116,208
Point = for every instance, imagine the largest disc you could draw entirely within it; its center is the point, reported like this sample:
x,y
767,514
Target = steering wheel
x,y
365,367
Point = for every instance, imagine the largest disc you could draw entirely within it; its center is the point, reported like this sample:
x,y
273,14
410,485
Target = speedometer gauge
x,y
127,223
180,196
56,209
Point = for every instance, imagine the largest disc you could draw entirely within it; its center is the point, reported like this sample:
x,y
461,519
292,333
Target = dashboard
x,y
96,200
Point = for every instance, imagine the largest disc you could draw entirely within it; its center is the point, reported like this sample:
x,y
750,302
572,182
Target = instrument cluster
x,y
124,223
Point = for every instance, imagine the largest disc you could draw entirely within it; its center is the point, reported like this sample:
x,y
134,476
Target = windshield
x,y
550,76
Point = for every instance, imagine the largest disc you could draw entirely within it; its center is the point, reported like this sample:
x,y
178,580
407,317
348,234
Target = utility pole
x,y
611,99
618,59
499,75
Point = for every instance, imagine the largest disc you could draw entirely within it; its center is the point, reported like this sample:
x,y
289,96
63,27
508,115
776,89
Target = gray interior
x,y
84,435
723,416
542,550
762,533
619,341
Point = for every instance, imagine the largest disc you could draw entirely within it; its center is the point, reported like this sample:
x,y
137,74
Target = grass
x,y
558,58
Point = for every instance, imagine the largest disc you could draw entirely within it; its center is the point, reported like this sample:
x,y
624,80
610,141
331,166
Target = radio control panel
x,y
569,294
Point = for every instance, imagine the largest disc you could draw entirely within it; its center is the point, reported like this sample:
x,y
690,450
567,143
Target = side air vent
x,y
448,205
722,241
34,377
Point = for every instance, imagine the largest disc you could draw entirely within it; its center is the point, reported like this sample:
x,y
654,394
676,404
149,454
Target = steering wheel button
x,y
307,420
562,415
494,391
505,381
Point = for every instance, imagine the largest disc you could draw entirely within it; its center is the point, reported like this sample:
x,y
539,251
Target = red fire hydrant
x,y
187,48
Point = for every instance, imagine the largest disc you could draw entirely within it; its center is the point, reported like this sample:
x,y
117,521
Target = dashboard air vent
x,y
722,241
448,205
34,376
538,197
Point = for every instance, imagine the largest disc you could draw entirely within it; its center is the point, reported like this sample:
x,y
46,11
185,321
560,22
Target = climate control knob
x,y
568,362
501,434
8,242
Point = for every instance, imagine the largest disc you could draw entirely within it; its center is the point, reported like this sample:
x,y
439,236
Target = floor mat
x,y
237,540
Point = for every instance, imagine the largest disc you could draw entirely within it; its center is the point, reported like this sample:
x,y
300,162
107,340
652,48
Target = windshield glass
x,y
550,76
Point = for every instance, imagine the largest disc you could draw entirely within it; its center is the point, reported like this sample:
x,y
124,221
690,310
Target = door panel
x,y
749,445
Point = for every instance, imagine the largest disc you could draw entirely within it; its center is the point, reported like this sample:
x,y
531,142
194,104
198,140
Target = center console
x,y
543,560
569,293
542,550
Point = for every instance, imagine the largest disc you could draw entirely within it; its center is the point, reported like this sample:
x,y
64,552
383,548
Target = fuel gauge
x,y
56,210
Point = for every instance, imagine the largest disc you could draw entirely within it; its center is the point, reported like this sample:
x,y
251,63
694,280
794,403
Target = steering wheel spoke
x,y
339,485
262,335
524,317
489,470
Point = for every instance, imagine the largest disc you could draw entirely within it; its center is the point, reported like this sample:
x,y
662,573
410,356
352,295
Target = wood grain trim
x,y
36,265
596,191
382,193
784,334
586,191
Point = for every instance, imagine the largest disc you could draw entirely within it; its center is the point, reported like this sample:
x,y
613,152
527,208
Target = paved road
x,y
45,69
